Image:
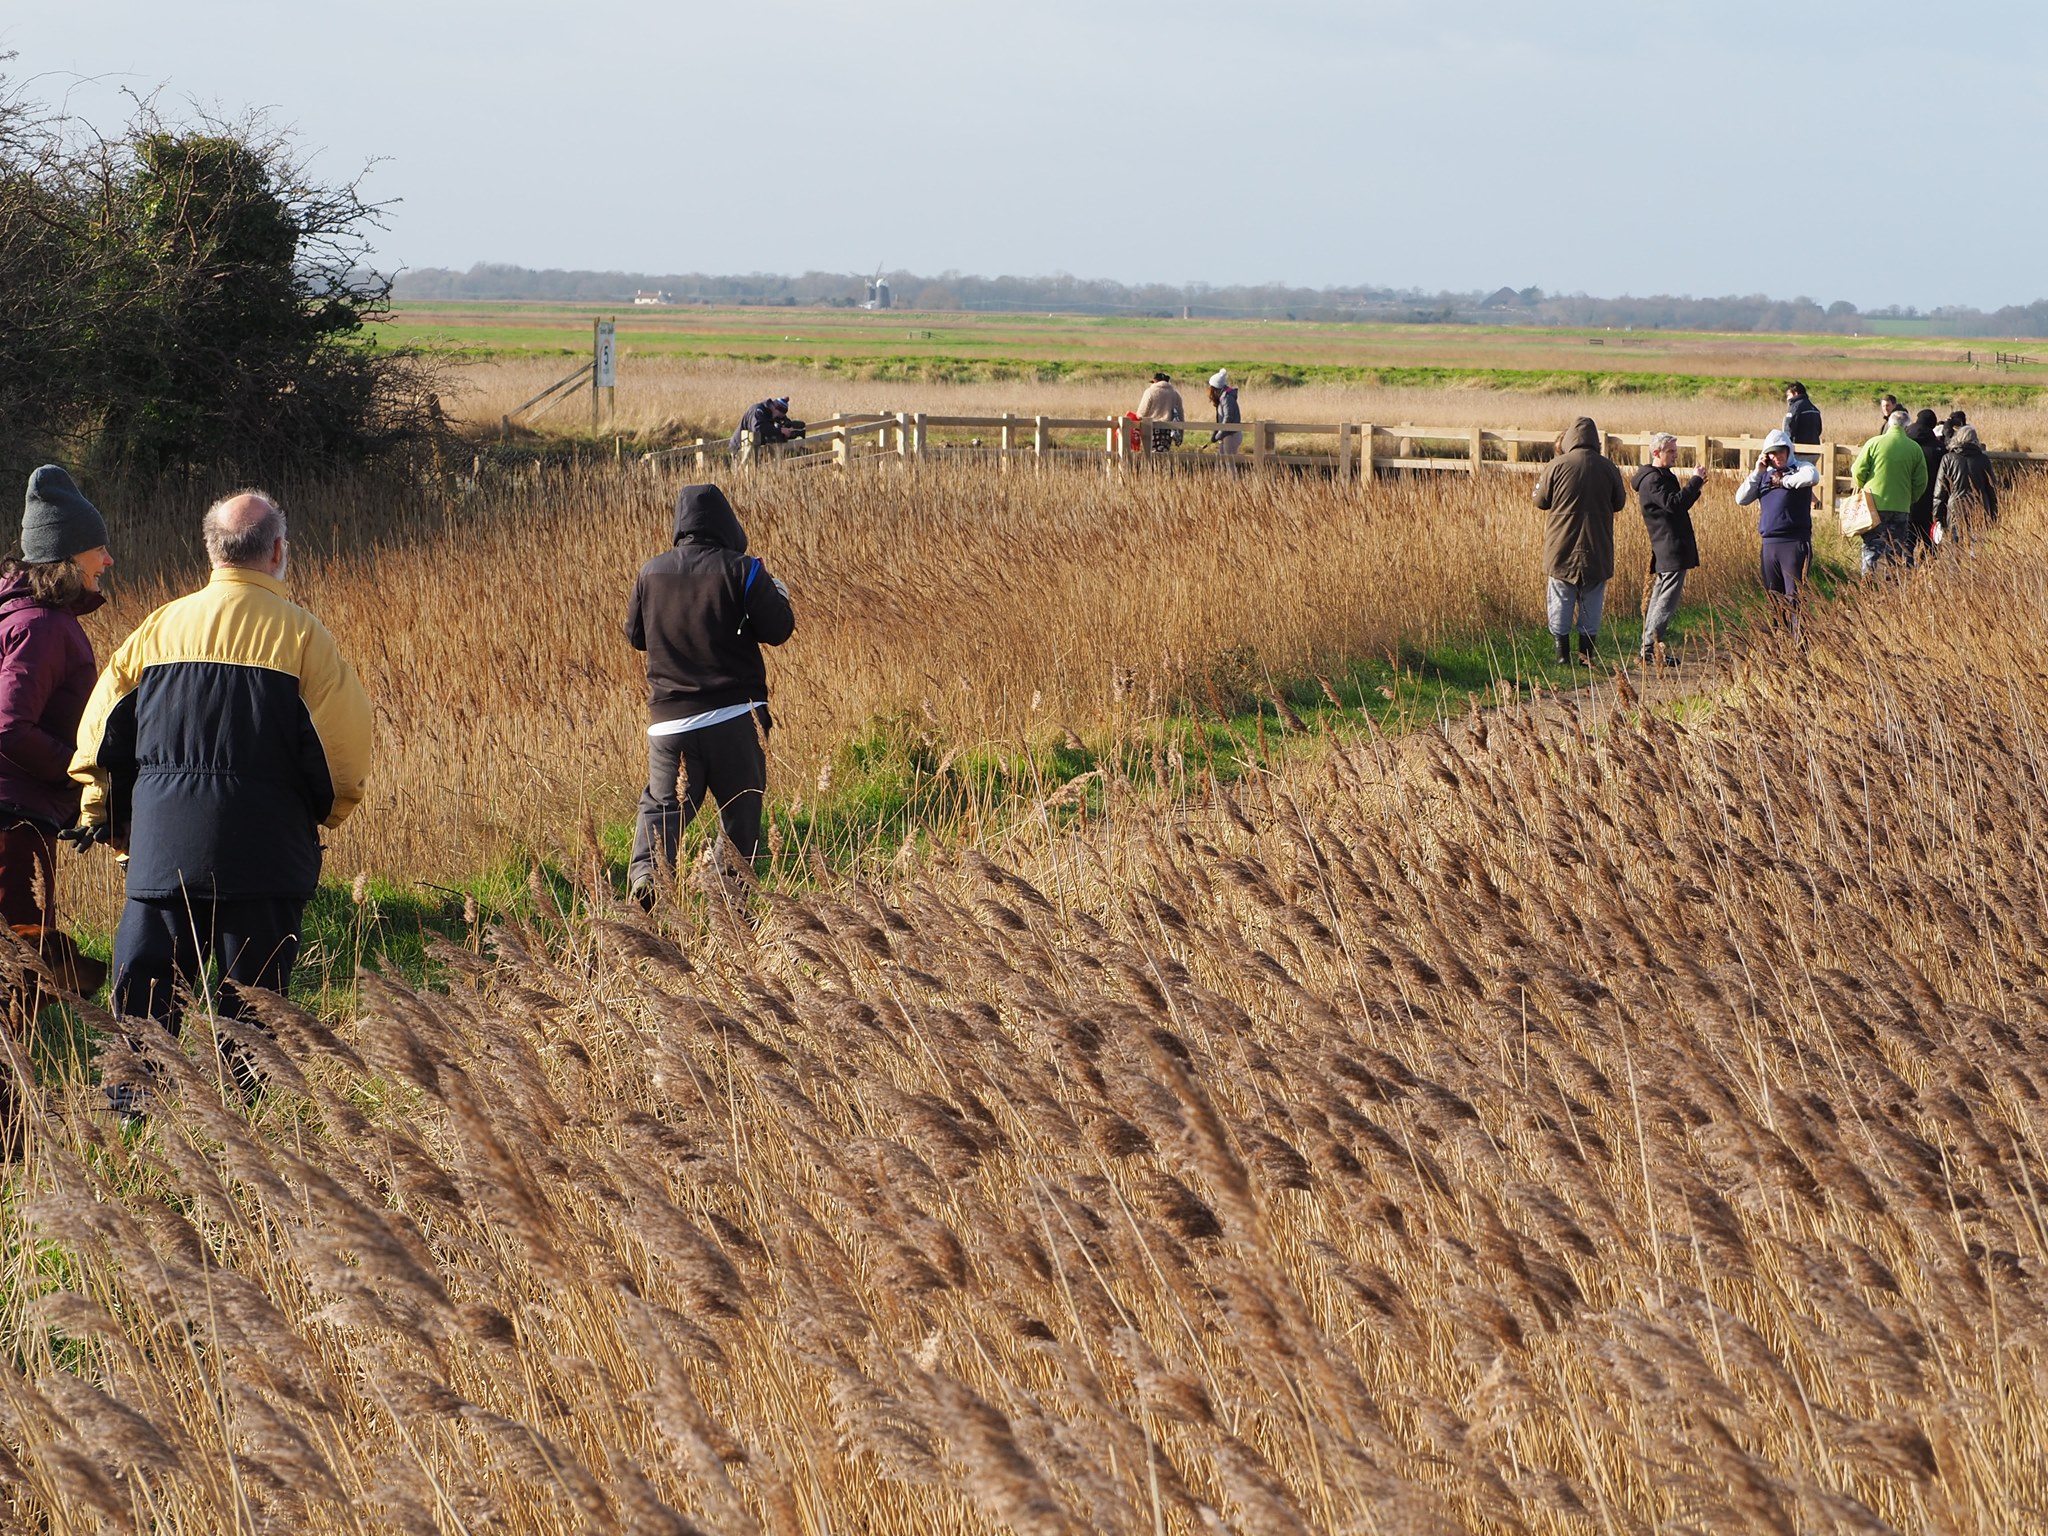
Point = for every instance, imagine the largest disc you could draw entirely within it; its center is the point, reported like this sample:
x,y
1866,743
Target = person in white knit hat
x,y
1223,396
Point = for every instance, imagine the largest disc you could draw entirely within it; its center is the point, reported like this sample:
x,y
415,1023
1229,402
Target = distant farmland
x,y
954,347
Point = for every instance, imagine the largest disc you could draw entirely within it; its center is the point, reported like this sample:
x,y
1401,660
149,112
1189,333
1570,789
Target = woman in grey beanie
x,y
46,673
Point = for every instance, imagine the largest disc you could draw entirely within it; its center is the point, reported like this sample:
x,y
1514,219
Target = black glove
x,y
86,835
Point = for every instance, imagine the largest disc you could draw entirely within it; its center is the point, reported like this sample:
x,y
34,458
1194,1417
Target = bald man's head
x,y
245,530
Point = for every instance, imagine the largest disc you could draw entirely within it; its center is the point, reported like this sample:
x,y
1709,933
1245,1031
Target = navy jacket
x,y
225,732
1802,421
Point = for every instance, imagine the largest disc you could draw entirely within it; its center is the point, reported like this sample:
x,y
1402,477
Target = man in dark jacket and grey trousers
x,y
1581,490
1674,548
702,611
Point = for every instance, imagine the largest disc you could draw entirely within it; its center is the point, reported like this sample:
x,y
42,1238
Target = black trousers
x,y
725,761
162,943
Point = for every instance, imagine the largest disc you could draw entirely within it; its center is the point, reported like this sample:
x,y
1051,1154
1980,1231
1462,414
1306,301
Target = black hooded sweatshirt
x,y
703,610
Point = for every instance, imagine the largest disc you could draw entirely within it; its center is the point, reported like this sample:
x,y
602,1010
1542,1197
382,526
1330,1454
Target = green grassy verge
x,y
919,368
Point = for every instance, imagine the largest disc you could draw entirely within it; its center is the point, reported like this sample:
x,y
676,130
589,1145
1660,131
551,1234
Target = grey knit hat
x,y
57,521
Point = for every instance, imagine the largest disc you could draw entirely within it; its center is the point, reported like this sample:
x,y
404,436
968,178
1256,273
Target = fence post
x,y
1009,441
1827,473
1478,437
1040,437
1365,444
917,427
1704,452
903,435
1514,444
842,448
1344,431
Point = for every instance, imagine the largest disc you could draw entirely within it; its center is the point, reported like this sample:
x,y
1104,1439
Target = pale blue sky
x,y
1834,150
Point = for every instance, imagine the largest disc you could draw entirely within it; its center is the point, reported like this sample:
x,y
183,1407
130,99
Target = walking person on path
x,y
1782,485
46,675
1674,547
1581,490
226,731
1892,471
701,611
1223,396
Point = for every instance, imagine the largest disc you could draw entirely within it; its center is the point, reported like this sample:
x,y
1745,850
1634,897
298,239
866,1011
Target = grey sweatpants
x,y
1666,588
1568,598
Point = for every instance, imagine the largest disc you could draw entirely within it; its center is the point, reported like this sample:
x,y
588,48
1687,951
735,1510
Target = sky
x,y
1817,149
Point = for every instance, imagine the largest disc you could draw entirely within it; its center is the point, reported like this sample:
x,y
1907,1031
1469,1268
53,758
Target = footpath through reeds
x,y
1623,1129
997,613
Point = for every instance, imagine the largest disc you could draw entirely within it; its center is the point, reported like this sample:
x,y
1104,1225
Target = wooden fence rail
x,y
1360,450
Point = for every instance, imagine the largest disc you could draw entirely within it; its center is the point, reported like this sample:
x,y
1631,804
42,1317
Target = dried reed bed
x,y
1529,1130
667,396
486,621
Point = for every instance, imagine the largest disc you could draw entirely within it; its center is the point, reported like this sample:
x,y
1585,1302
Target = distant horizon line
x,y
1160,291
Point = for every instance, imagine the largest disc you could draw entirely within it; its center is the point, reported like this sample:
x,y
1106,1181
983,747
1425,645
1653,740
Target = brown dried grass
x,y
485,616
1628,1129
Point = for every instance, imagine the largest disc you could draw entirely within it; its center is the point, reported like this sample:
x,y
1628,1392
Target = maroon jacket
x,y
46,674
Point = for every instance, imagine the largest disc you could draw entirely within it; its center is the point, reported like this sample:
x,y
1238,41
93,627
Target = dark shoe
x,y
642,892
1586,649
128,1100
1564,649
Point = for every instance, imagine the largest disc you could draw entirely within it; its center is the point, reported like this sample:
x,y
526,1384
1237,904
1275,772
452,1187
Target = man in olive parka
x,y
1581,490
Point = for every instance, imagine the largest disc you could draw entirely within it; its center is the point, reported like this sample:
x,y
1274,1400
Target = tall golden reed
x,y
1601,1122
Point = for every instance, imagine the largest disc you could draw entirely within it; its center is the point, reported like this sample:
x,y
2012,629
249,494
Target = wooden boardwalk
x,y
1360,451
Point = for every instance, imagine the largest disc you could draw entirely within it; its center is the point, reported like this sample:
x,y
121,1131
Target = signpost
x,y
604,368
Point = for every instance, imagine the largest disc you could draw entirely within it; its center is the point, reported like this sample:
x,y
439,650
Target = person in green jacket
x,y
1892,471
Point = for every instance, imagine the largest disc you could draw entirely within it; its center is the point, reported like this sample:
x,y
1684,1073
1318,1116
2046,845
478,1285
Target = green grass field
x,y
948,345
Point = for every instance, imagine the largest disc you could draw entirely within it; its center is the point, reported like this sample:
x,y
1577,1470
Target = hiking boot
x,y
642,894
1586,650
1564,649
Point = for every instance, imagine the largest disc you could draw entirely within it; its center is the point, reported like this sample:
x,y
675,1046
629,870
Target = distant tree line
x,y
1065,294
183,297
1061,293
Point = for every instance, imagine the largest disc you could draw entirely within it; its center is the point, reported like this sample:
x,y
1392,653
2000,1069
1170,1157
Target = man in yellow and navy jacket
x,y
226,731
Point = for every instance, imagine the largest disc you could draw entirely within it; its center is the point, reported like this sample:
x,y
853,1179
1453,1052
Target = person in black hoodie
x,y
1923,431
702,611
1674,548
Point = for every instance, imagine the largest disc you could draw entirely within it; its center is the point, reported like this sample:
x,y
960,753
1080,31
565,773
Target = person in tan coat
x,y
1581,490
1161,410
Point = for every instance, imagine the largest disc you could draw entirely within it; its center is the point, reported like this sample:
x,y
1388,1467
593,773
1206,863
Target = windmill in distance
x,y
878,290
